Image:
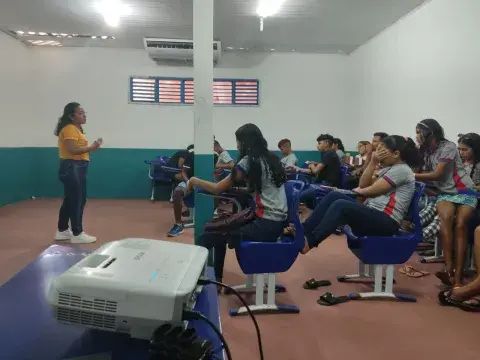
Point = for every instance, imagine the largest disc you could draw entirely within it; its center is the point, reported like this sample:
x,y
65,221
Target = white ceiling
x,y
311,26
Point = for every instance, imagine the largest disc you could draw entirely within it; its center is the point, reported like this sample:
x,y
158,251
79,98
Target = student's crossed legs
x,y
337,209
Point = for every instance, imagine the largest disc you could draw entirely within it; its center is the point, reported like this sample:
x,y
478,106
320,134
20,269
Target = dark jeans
x,y
73,175
337,209
310,194
260,230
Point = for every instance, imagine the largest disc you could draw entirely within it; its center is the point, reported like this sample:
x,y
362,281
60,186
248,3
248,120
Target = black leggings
x,y
260,230
337,209
73,175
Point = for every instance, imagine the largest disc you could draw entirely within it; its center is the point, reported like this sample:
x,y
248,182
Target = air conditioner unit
x,y
175,50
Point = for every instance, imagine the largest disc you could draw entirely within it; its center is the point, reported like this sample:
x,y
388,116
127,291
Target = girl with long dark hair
x,y
387,202
74,155
469,149
265,178
456,200
339,149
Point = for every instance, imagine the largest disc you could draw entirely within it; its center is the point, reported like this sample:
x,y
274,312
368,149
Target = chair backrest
x,y
292,190
163,159
344,170
414,209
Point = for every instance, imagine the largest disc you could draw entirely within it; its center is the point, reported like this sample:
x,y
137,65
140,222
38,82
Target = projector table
x,y
29,330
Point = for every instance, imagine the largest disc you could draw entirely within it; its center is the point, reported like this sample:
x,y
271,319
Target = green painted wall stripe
x,y
113,173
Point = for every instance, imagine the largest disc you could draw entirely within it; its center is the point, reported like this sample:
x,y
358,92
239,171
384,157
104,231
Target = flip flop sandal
x,y
426,253
445,277
328,299
313,284
423,245
444,298
412,272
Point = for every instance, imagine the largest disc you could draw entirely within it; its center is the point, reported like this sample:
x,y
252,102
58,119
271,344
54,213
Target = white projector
x,y
130,286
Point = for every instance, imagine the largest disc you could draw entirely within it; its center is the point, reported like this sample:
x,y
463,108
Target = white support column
x,y
203,108
203,75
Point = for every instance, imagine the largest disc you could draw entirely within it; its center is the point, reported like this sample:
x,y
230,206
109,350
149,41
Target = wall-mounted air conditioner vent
x,y
174,50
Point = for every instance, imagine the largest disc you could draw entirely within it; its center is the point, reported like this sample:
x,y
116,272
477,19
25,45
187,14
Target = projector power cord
x,y
195,315
204,281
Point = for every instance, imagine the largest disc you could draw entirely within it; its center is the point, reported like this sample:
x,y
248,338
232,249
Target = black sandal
x,y
328,299
445,299
445,277
313,284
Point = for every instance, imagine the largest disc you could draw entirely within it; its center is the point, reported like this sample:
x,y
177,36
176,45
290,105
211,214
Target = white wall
x,y
301,96
15,92
426,65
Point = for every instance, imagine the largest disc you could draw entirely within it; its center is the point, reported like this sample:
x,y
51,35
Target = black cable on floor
x,y
203,281
195,315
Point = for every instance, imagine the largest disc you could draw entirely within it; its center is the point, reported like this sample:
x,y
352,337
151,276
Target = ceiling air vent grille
x,y
159,44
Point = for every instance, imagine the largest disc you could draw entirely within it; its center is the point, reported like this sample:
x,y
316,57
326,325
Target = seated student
x,y
352,180
466,297
327,171
180,192
388,198
339,149
456,201
469,149
177,160
265,178
223,161
289,159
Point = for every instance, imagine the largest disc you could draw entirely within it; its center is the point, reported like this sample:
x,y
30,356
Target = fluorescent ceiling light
x,y
27,34
269,7
44,43
112,11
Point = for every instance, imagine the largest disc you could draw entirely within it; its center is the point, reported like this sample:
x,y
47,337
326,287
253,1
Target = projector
x,y
130,286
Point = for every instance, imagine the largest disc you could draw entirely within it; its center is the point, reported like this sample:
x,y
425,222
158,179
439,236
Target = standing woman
x,y
74,159
457,199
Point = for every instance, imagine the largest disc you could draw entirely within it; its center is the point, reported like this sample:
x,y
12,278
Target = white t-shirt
x,y
224,158
289,160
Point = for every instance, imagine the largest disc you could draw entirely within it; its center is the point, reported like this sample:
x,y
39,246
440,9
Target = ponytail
x,y
407,149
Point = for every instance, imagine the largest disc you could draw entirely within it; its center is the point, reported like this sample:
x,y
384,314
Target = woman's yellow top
x,y
71,132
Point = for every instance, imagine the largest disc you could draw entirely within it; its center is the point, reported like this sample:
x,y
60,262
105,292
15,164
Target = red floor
x,y
357,330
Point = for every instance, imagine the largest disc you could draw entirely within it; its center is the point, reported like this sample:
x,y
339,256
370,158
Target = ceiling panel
x,y
311,26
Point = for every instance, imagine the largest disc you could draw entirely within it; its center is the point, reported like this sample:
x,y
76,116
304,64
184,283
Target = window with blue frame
x,y
162,90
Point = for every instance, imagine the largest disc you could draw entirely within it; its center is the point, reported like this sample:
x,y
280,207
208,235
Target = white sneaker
x,y
64,235
83,239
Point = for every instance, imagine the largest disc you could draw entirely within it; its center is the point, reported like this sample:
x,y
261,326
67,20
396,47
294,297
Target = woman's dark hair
x,y
472,140
431,131
407,149
432,134
67,117
190,147
254,146
338,142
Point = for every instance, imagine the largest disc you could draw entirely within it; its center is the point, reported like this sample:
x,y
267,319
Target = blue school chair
x,y
158,172
344,171
375,252
259,260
